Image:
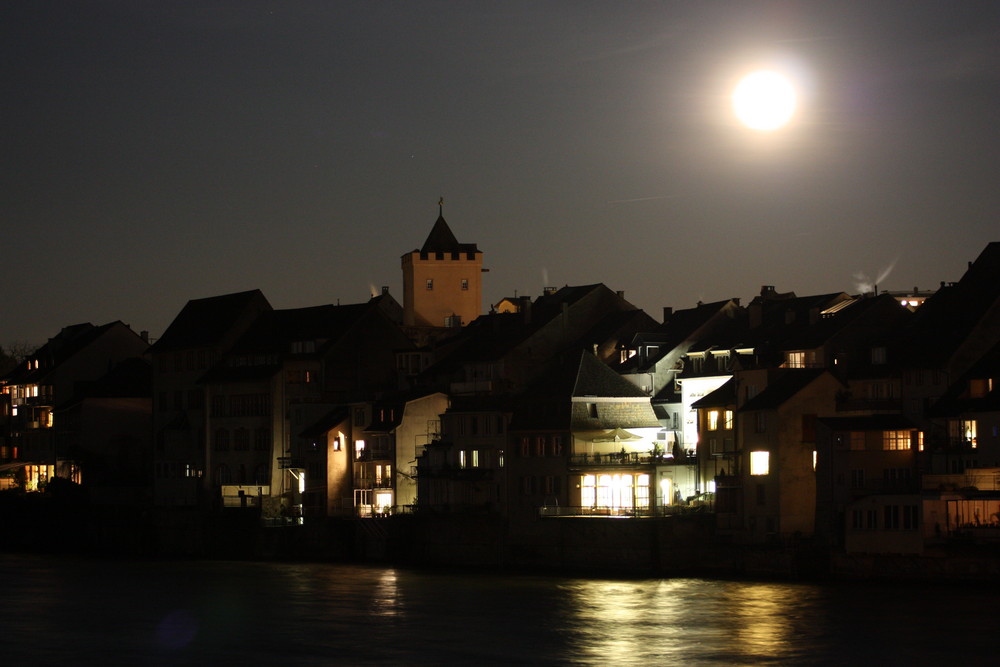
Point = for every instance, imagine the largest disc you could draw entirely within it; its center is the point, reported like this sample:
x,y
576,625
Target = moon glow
x,y
764,101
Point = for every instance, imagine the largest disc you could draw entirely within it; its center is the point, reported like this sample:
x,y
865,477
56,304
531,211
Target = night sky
x,y
156,152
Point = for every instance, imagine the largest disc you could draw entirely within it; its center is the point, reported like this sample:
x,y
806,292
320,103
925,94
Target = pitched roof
x,y
58,349
945,320
784,387
441,239
594,378
275,330
720,397
204,322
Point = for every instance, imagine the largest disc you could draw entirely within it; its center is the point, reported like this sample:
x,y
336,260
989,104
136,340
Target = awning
x,y
608,435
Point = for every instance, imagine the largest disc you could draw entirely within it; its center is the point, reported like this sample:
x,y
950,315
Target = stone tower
x,y
442,282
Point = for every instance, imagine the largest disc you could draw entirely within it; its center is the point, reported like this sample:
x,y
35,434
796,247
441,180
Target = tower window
x,y
430,283
465,284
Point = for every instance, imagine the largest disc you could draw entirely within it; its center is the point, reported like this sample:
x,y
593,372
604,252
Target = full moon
x,y
764,101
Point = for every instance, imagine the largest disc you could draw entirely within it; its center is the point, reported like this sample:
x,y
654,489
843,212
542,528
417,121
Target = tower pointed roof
x,y
441,238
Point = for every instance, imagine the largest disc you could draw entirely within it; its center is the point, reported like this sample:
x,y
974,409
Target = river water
x,y
90,612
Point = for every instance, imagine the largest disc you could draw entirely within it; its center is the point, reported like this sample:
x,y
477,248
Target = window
x,y
262,439
241,440
760,463
878,355
430,283
727,422
465,284
858,441
760,423
893,440
891,515
713,420
221,440
809,428
858,478
592,410
525,446
223,475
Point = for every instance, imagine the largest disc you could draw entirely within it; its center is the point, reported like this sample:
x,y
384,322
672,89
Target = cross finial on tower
x,y
441,206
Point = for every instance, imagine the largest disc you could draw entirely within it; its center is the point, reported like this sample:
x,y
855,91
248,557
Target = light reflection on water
x,y
194,613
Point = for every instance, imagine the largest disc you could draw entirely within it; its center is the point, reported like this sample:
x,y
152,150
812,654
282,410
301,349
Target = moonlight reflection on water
x,y
180,613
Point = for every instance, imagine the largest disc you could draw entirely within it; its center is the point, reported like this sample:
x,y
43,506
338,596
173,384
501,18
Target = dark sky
x,y
155,152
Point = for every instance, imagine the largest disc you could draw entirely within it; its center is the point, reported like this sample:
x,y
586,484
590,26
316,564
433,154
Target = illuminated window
x,y
894,440
499,458
760,463
616,492
359,448
795,359
713,420
728,421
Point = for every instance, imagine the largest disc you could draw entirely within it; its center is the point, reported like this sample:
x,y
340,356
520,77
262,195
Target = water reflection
x,y
319,614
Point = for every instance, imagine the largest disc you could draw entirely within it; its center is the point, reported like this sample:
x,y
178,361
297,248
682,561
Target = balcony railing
x,y
628,459
620,512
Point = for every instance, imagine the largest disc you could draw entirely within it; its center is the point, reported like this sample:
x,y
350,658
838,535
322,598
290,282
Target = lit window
x,y
760,463
359,448
895,440
728,423
713,420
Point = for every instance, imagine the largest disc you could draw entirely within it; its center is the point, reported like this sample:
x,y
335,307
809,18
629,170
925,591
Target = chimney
x,y
524,307
549,290
667,312
767,291
385,289
144,335
621,294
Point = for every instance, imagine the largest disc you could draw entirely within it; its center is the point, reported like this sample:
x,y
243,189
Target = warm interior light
x,y
760,463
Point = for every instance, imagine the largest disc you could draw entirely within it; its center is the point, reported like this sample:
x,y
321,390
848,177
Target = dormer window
x,y
878,355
